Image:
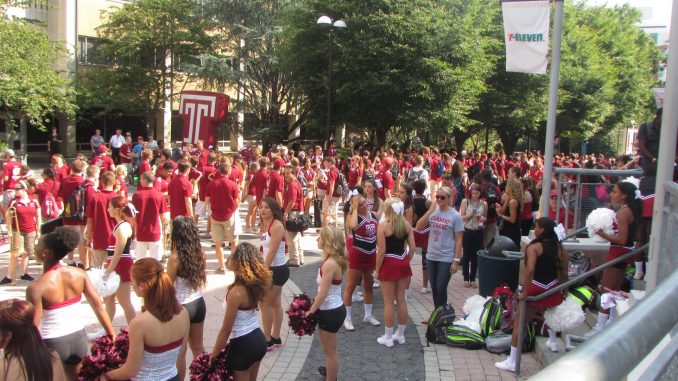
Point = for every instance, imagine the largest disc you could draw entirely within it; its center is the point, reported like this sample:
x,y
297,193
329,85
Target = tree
x,y
415,65
145,43
28,84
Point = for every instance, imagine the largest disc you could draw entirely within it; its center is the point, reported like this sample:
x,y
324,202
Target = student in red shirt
x,y
103,161
275,183
331,198
223,198
260,180
165,158
126,152
145,163
386,180
236,171
61,170
162,180
121,179
11,170
309,174
208,173
49,186
294,202
27,213
202,154
250,191
180,192
355,172
99,223
152,215
70,184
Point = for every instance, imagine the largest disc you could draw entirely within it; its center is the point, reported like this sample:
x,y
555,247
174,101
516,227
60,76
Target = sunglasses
x,y
438,197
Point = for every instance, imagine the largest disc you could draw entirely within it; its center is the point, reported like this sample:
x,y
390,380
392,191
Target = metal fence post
x,y
577,201
521,332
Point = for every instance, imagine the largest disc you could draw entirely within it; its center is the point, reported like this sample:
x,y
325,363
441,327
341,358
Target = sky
x,y
661,13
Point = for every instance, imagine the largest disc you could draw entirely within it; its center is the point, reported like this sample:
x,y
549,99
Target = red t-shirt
x,y
202,157
333,178
67,187
250,185
12,170
60,173
260,180
386,183
47,186
102,223
561,217
121,186
223,194
104,162
26,212
179,188
160,165
355,174
294,194
161,184
125,149
236,175
149,204
275,184
208,172
143,167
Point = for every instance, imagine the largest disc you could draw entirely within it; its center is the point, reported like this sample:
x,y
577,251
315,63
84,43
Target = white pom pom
x,y
566,316
473,303
600,219
633,180
103,287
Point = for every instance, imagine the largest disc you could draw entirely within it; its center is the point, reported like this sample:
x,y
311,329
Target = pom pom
x,y
600,219
95,365
103,344
473,303
301,322
122,344
104,287
633,180
566,316
205,369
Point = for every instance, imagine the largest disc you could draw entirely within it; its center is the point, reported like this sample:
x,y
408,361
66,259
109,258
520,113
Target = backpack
x,y
304,183
586,296
440,168
395,170
463,337
498,342
413,176
490,318
75,206
460,190
506,299
439,319
342,184
49,207
490,195
530,333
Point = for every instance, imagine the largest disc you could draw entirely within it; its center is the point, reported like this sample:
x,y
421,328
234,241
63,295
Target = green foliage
x,y
28,84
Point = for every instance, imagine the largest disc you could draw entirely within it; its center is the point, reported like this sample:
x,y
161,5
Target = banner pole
x,y
552,107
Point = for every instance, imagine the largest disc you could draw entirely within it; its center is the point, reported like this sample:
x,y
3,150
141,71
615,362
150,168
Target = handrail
x,y
563,286
594,171
615,351
575,233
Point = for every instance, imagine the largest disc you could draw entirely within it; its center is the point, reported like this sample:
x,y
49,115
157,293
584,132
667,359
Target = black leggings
x,y
472,242
245,350
71,348
331,320
196,310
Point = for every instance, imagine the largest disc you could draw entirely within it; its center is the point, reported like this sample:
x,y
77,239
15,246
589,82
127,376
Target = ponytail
x,y
160,298
127,212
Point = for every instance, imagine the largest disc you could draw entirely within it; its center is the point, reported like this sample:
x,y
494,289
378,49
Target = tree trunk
x,y
380,135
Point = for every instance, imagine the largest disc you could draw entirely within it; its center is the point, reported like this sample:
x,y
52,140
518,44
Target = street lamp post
x,y
331,25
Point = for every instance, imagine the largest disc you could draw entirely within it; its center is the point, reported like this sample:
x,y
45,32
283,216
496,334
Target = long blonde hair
x,y
515,190
396,220
334,246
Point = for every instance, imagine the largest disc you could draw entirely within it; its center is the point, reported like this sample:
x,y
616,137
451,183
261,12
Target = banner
x,y
200,112
526,33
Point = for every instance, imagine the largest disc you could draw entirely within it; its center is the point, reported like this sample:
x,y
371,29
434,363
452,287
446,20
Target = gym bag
x,y
490,318
463,337
439,319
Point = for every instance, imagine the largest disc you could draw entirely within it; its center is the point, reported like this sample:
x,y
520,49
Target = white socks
x,y
602,320
401,330
368,310
639,270
513,357
552,342
348,313
510,363
388,333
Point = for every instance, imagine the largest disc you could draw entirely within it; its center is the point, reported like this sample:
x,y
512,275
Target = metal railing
x,y
581,197
561,287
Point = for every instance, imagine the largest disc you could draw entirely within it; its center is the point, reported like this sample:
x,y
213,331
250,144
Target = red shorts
x,y
421,238
648,205
549,301
618,251
393,269
124,268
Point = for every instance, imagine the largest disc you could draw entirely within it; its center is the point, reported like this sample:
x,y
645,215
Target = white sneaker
x,y
97,334
639,275
553,346
384,341
425,290
348,325
590,333
371,320
398,338
355,298
375,284
506,365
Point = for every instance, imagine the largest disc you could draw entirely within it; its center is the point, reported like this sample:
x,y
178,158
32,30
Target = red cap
x,y
102,149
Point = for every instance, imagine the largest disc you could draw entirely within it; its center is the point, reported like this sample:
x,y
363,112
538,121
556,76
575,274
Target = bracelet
x,y
457,260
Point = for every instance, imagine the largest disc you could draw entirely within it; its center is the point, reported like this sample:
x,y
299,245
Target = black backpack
x,y
490,195
440,318
303,182
463,337
342,184
76,205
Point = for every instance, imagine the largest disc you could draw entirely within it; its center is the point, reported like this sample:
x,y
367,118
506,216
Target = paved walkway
x,y
361,357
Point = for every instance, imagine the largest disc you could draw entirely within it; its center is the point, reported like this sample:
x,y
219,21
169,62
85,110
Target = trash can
x,y
496,270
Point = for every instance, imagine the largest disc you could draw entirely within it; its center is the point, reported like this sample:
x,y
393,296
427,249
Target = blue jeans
x,y
439,277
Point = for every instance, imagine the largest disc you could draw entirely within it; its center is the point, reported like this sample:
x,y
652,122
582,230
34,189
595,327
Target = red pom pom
x,y
300,321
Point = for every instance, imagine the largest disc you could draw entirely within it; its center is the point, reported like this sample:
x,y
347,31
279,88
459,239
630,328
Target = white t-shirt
x,y
441,239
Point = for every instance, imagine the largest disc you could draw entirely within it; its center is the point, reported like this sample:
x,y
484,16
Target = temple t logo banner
x,y
201,112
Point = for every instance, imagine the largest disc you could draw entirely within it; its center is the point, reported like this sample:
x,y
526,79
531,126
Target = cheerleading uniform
x,y
420,236
279,266
396,264
617,251
159,363
332,312
60,332
191,299
124,266
363,244
545,277
247,343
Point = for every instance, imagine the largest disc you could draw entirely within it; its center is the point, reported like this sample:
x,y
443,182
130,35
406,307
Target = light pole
x,y
331,25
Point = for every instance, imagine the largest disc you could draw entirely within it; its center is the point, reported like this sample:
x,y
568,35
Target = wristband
x,y
457,260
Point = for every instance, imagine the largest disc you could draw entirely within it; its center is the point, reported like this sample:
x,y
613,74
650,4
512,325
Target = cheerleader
x,y
119,256
247,345
374,203
158,336
56,295
393,267
186,269
24,229
273,248
362,247
328,303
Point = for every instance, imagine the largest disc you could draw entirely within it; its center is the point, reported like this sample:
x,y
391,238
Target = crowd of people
x,y
448,204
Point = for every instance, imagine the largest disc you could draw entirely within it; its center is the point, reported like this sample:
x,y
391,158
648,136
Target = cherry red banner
x,y
201,111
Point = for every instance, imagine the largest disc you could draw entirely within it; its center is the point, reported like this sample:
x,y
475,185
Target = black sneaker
x,y
270,345
277,341
5,281
322,369
27,277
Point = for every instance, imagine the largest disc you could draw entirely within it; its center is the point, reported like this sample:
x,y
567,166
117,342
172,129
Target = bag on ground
x,y
490,318
439,319
463,337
